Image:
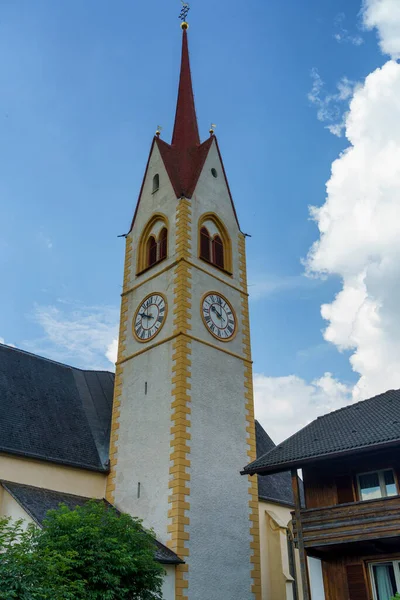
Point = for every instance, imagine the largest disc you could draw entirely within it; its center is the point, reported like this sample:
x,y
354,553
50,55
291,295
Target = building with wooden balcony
x,y
348,530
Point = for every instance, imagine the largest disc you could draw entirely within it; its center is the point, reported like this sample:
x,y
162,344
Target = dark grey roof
x,y
38,501
368,424
54,412
277,487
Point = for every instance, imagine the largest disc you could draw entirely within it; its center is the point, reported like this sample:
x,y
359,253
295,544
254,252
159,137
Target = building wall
x,y
219,532
52,476
144,435
168,590
277,582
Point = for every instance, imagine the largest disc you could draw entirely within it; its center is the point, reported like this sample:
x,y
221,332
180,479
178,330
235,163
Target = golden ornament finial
x,y
159,130
212,128
185,25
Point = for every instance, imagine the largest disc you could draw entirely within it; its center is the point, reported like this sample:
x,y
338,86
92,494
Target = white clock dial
x,y
218,316
149,317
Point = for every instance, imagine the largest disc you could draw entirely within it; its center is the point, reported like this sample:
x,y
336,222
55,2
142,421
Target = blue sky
x,y
83,87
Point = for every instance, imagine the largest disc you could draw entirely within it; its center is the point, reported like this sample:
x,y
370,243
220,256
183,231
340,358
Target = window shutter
x,y
218,252
152,251
204,244
163,244
344,487
356,582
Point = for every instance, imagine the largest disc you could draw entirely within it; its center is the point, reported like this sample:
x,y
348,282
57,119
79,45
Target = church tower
x,y
183,418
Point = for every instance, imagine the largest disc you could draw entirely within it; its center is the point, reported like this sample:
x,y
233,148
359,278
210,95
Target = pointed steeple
x,y
186,131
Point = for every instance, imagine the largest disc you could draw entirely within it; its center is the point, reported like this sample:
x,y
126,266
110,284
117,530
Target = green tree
x,y
92,553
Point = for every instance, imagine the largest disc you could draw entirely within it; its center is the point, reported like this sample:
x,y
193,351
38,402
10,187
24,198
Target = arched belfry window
x,y
214,242
156,182
153,243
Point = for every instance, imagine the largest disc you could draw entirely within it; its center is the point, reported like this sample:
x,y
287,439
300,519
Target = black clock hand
x,y
146,316
219,315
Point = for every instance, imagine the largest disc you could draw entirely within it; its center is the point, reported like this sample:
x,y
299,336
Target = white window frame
x,y
396,566
382,484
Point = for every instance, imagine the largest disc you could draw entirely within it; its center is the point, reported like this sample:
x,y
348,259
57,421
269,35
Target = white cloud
x,y
84,336
385,16
360,235
285,404
359,226
331,108
342,35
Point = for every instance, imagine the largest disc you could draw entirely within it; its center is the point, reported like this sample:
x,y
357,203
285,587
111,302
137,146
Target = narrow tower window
x,y
151,251
218,252
214,173
163,244
156,182
205,244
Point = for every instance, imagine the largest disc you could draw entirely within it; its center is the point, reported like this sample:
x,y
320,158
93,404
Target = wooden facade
x,y
348,534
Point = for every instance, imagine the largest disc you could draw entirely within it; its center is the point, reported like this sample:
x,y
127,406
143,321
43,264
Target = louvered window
x,y
152,251
218,252
205,242
163,244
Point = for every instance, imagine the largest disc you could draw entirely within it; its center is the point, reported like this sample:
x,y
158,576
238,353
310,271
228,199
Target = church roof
x,y
273,488
54,412
370,424
36,502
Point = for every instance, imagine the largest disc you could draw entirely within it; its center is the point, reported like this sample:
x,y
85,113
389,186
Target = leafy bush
x,y
91,553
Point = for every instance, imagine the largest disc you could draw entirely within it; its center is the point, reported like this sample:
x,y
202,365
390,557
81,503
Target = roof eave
x,y
299,464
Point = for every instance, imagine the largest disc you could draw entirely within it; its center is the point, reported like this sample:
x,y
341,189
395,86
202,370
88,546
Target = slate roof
x,y
372,423
273,488
54,412
38,501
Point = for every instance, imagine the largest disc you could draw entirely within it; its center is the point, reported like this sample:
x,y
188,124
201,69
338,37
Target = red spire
x,y
186,131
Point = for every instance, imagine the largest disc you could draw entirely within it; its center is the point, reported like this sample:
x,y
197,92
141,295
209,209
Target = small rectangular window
x,y
377,484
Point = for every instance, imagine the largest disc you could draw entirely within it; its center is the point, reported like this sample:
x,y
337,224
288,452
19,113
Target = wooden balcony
x,y
346,523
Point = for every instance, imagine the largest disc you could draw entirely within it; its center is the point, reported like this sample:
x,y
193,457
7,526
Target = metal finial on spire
x,y
184,13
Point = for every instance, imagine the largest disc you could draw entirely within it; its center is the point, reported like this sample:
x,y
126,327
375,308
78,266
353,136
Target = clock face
x,y
218,316
150,317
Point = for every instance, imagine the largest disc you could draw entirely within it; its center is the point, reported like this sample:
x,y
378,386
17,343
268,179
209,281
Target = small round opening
x,y
214,173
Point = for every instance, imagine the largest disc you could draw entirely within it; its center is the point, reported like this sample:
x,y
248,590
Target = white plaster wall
x,y
316,579
163,201
219,561
52,476
211,195
168,590
144,438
